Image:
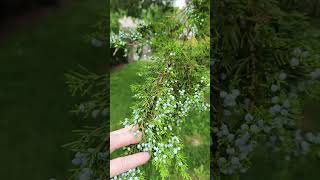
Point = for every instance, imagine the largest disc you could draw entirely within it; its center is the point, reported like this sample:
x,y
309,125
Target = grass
x,y
35,102
120,93
196,130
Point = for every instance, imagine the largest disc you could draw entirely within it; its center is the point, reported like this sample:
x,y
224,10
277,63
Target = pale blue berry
x,y
274,88
76,161
95,113
286,103
235,161
275,99
297,51
230,151
244,127
294,62
221,161
235,92
282,76
315,74
96,43
248,117
254,128
223,94
223,76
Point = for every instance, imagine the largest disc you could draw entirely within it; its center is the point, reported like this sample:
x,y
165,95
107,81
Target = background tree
x,y
265,66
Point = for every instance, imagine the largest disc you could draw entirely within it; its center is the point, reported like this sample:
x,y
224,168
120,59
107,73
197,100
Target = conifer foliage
x,y
265,64
177,82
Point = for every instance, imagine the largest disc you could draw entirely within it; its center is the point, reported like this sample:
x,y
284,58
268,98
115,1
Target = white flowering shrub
x,y
130,39
265,65
126,39
130,27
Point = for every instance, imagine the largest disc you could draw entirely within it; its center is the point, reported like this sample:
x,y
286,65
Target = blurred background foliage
x,y
266,30
35,102
309,7
16,7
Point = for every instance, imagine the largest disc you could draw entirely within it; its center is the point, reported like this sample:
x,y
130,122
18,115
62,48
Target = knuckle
x,y
124,163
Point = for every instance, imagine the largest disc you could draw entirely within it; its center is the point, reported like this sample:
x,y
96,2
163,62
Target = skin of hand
x,y
121,138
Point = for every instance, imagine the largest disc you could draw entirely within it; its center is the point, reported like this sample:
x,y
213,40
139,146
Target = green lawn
x,y
34,98
196,131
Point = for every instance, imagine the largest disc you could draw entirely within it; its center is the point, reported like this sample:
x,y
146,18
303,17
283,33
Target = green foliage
x,y
309,7
114,19
264,68
33,60
195,134
125,40
176,83
127,43
200,173
134,7
91,154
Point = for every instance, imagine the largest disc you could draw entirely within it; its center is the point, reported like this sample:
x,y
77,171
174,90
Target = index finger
x,y
124,137
124,164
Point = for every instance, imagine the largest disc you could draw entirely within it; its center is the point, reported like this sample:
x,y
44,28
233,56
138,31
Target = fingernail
x,y
147,155
134,127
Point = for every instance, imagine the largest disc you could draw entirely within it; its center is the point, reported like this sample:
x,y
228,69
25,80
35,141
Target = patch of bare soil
x,y
194,140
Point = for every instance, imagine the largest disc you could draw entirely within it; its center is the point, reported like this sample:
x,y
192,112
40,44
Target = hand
x,y
121,138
